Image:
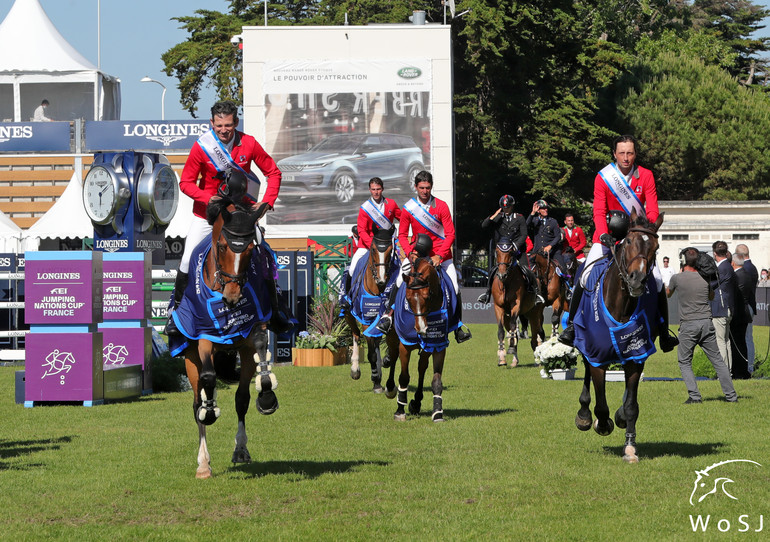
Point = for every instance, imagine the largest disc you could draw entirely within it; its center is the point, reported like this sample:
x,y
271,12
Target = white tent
x,y
10,234
37,63
67,219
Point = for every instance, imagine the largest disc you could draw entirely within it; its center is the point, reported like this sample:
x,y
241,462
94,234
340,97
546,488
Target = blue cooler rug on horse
x,y
440,322
202,314
365,307
604,340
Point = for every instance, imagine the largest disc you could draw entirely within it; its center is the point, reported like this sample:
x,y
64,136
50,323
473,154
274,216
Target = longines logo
x,y
713,481
164,132
111,245
148,245
15,132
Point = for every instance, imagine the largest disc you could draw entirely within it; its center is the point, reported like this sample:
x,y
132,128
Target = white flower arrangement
x,y
554,355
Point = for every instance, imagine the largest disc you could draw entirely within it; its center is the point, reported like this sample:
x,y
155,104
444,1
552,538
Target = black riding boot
x,y
485,297
666,339
531,281
180,285
568,335
279,321
344,302
461,334
386,320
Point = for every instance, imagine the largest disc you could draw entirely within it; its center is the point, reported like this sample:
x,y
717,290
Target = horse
x,y
622,284
555,289
374,278
226,269
511,298
424,296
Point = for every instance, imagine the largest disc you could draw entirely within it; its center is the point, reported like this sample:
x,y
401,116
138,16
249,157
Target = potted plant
x,y
557,360
326,341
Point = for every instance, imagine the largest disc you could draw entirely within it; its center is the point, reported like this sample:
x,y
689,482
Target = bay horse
x,y
622,286
226,269
511,299
374,279
555,289
424,297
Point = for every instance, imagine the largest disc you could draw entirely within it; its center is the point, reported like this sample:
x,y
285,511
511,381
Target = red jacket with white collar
x,y
366,224
643,185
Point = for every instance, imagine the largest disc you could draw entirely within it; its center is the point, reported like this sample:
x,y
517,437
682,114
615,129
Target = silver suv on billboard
x,y
341,165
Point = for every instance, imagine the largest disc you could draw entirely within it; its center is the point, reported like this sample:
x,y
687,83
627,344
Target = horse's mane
x,y
641,222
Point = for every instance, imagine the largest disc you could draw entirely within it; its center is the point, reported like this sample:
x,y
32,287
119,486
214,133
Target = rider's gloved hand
x,y
607,240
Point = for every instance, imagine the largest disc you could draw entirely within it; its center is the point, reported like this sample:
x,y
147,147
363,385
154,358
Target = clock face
x,y
99,195
165,194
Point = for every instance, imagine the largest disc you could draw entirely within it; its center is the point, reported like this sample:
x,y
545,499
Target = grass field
x,y
332,464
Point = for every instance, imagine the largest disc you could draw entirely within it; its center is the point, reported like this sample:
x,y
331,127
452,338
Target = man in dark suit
x,y
743,250
722,306
741,318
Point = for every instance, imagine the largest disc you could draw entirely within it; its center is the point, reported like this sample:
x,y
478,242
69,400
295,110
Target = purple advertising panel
x,y
64,367
127,285
127,346
63,287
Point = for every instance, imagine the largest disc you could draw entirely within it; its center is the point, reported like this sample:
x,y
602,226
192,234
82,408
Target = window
x,y
676,237
745,236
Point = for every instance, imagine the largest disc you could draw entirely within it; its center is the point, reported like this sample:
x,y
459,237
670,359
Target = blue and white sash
x,y
377,216
222,160
421,215
622,191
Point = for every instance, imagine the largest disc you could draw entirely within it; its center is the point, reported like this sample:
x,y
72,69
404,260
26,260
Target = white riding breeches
x,y
359,253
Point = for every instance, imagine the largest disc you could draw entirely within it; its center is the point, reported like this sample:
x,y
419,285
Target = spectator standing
x,y
741,318
666,272
722,305
696,328
764,279
751,269
574,238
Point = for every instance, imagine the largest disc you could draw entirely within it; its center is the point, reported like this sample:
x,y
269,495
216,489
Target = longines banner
x,y
333,125
35,136
148,135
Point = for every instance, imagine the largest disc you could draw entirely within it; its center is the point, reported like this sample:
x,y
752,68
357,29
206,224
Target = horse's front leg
x,y
501,332
422,365
555,317
603,425
403,383
628,413
355,370
208,411
193,368
242,400
391,339
437,386
584,420
266,383
375,362
512,325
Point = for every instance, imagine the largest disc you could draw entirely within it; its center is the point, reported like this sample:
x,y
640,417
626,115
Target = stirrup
x,y
483,298
171,330
461,335
344,303
385,323
540,299
667,341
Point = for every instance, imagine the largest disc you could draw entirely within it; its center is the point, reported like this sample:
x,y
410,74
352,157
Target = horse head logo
x,y
705,480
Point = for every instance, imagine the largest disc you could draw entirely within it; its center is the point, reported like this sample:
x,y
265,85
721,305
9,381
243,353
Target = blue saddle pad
x,y
202,314
604,340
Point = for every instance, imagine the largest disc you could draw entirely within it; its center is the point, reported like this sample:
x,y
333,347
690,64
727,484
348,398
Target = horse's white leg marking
x,y
354,355
204,459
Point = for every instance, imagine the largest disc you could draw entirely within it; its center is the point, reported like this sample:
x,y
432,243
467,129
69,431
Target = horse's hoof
x,y
604,431
414,407
514,362
620,421
267,402
502,364
203,473
400,417
355,375
377,389
241,455
390,394
629,455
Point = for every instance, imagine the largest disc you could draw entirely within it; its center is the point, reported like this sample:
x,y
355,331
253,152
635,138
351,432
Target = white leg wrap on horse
x,y
401,396
207,405
264,369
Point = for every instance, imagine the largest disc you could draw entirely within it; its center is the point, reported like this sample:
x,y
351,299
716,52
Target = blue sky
x,y
134,35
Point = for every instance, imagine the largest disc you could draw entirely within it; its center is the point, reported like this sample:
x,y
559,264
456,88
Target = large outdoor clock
x,y
157,193
105,192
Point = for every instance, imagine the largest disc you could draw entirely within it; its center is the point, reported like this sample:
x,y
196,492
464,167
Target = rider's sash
x,y
376,215
222,160
622,191
422,216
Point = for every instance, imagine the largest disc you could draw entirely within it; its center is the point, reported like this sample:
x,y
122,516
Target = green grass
x,y
332,464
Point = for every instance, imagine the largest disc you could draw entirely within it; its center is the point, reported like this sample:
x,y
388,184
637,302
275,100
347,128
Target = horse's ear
x,y
658,222
633,216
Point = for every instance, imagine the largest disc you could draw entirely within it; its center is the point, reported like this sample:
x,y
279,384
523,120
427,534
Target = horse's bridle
x,y
417,283
219,274
622,264
504,248
374,265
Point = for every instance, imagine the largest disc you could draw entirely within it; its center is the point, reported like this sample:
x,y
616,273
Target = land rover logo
x,y
409,73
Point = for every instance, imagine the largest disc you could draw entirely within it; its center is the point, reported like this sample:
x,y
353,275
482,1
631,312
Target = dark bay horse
x,y
374,279
425,300
623,284
554,288
511,299
225,272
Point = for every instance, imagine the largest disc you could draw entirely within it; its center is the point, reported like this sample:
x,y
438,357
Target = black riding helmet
x,y
618,223
234,185
423,245
507,202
